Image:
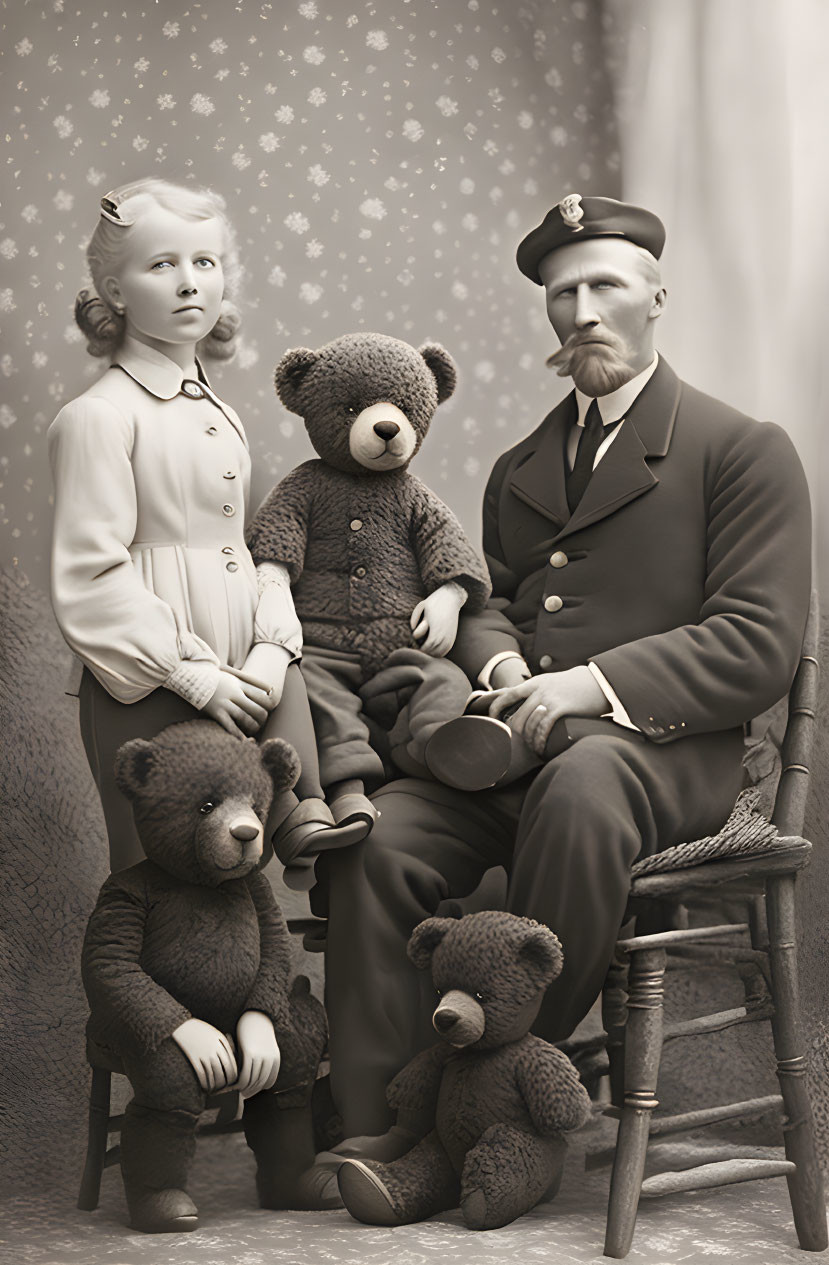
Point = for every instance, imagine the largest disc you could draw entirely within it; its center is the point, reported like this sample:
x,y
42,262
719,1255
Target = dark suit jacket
x,y
684,572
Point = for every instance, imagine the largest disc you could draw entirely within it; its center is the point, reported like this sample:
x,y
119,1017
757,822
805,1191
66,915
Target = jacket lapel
x,y
539,481
623,473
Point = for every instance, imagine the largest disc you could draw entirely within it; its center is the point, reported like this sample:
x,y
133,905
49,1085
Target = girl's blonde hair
x,y
104,327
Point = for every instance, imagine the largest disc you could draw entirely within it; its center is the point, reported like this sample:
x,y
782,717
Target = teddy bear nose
x,y
386,430
244,831
444,1018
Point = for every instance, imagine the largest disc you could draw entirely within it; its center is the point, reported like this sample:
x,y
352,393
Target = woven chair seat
x,y
746,833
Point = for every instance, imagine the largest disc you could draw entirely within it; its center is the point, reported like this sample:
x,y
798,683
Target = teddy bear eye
x,y
350,410
479,997
207,807
439,992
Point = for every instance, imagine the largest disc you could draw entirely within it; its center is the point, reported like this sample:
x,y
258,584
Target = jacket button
x,y
228,511
229,475
553,603
559,559
359,572
233,566
212,430
355,524
545,662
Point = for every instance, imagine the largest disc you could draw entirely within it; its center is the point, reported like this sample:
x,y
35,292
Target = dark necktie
x,y
589,440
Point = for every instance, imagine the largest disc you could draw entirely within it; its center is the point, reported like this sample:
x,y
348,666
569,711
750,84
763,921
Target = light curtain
x,y
723,108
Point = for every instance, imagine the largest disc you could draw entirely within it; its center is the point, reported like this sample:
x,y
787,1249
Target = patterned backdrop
x,y
380,162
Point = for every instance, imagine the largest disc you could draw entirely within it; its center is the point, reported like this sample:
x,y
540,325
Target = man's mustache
x,y
562,359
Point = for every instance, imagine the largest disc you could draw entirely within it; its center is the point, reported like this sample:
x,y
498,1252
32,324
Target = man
x,y
649,553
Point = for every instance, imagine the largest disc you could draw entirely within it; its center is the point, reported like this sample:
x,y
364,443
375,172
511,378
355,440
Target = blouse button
x,y
228,475
233,566
212,430
355,524
228,511
192,389
227,549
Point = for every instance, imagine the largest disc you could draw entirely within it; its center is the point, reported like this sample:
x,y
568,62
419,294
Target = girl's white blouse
x,y
152,583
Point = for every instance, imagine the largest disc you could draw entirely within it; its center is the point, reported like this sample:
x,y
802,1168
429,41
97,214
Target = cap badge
x,y
572,211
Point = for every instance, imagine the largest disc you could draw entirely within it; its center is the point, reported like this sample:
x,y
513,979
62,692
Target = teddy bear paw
x,y
365,1195
163,1212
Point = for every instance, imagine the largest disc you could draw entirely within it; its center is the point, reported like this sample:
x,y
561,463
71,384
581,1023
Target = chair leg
x,y
643,1051
614,1022
806,1183
96,1147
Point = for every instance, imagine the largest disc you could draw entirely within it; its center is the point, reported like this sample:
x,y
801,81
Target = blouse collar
x,y
154,371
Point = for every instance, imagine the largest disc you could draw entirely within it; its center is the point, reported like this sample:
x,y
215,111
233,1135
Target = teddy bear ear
x,y
425,939
134,763
541,948
281,762
443,369
289,374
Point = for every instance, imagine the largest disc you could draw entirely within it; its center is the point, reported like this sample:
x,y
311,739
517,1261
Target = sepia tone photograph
x,y
413,482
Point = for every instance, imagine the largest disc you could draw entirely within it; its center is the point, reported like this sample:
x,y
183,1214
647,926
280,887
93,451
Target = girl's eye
x,y
205,263
162,263
207,808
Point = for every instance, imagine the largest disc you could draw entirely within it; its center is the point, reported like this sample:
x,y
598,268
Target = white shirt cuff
x,y
485,675
195,681
617,712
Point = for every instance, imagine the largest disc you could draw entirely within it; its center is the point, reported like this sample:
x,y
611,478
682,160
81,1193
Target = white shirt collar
x,y
154,371
616,404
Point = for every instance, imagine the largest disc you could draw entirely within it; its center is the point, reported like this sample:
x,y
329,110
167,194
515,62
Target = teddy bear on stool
x,y
378,565
186,964
500,1099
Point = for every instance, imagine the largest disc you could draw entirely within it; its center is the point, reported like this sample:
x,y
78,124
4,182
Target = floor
x,y
742,1225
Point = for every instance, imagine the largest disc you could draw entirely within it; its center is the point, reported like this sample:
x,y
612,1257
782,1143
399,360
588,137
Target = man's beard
x,y
597,368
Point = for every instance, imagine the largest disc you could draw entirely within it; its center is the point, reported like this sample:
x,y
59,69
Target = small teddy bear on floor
x,y
187,963
500,1098
378,565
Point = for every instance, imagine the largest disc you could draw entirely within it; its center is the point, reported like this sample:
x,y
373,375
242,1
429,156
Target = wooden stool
x,y
757,862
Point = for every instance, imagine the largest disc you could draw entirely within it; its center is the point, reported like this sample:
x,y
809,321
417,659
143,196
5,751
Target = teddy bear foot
x,y
163,1212
315,1190
365,1195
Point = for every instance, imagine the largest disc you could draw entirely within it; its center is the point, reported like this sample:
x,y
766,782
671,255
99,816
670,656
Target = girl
x,y
152,585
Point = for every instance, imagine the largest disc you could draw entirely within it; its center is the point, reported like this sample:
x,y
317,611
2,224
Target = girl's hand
x,y
436,619
209,1052
239,704
267,663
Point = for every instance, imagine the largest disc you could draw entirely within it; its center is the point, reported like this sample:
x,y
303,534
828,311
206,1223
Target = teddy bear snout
x,y
244,830
459,1018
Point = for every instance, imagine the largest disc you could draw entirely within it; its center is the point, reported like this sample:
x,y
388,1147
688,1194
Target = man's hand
x,y
259,1052
436,619
545,698
239,704
209,1052
268,663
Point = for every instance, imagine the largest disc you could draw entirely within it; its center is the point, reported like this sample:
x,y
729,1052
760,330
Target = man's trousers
x,y
567,836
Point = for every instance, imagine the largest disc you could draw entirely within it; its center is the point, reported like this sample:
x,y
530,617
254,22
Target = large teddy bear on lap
x,y
498,1099
187,968
378,565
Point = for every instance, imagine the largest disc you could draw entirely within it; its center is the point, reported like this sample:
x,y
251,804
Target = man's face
x,y
602,300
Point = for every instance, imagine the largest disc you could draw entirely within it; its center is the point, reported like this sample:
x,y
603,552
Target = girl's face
x,y
170,281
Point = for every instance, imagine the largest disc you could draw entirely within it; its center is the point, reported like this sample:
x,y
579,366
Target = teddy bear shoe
x,y
163,1212
365,1195
311,828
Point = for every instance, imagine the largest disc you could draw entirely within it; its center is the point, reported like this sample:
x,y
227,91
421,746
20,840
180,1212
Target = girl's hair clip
x,y
109,210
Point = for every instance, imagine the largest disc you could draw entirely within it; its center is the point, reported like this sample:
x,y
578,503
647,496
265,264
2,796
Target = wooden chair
x,y
751,860
100,1154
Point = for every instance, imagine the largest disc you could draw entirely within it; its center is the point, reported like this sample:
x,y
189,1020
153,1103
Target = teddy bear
x,y
499,1099
378,565
186,964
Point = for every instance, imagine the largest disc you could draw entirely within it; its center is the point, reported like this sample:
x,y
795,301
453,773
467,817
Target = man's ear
x,y
425,939
443,369
134,762
289,375
660,298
